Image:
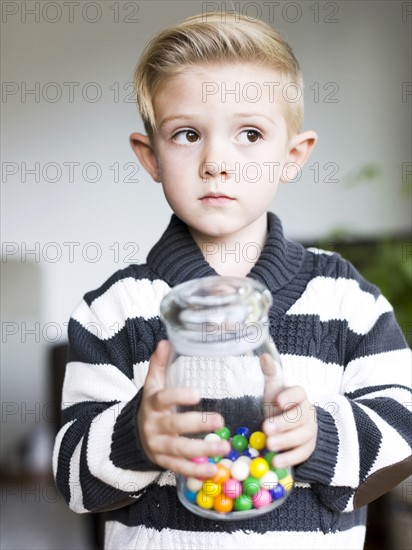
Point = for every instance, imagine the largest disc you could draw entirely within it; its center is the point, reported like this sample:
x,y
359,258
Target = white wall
x,y
365,54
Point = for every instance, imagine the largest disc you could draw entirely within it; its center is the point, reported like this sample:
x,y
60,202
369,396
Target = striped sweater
x,y
338,338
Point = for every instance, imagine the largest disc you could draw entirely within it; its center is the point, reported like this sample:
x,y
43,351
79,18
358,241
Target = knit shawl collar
x,y
176,258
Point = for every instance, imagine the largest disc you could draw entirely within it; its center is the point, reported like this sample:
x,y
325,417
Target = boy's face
x,y
220,146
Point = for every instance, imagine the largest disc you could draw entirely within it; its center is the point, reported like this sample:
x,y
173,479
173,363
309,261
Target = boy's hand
x,y
161,428
294,431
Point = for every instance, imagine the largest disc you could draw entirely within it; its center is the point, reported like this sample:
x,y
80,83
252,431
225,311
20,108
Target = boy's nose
x,y
216,162
211,169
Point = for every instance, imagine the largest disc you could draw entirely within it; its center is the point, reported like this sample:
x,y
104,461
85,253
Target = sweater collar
x,y
176,258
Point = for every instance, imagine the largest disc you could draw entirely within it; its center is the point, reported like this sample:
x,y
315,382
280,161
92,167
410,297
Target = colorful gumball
x,y
258,467
243,430
269,459
281,472
261,499
247,453
257,440
240,470
243,503
232,455
277,492
245,459
190,495
253,453
227,463
239,443
211,488
215,459
194,484
287,482
223,433
223,504
204,501
223,473
251,486
269,480
232,488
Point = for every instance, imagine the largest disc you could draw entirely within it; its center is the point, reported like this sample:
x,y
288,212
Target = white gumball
x,y
246,459
226,462
194,484
240,470
269,480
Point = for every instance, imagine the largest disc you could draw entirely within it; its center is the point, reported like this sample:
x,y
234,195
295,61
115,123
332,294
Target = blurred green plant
x,y
386,262
367,173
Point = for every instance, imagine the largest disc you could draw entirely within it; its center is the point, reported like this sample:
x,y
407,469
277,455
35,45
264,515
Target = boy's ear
x,y
143,148
300,148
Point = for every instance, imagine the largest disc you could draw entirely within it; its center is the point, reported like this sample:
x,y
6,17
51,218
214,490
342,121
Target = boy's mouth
x,y
216,199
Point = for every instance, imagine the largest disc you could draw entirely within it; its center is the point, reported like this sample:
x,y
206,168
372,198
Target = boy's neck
x,y
234,255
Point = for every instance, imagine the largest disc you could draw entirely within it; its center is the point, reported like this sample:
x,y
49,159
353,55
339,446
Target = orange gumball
x,y
222,475
222,503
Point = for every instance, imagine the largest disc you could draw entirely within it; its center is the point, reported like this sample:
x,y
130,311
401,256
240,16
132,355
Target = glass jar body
x,y
237,371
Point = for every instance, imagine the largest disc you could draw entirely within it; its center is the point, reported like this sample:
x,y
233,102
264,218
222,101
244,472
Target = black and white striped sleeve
x,y
364,443
98,463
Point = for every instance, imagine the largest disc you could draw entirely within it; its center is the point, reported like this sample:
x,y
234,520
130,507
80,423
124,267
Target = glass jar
x,y
218,328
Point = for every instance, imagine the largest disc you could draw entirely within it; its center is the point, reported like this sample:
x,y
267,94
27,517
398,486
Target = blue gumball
x,y
277,492
242,430
190,495
232,455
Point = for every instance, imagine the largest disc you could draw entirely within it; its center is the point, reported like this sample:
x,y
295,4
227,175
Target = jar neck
x,y
217,315
217,340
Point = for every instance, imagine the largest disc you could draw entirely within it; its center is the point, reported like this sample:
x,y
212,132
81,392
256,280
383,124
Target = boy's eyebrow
x,y
190,117
175,117
256,115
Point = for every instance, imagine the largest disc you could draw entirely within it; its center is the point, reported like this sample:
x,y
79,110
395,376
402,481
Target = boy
x,y
213,96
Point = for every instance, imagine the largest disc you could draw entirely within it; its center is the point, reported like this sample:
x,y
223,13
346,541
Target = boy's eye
x,y
250,136
186,136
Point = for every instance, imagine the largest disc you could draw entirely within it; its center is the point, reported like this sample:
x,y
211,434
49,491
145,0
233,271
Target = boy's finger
x,y
290,439
187,467
293,457
155,378
191,423
290,397
189,448
169,397
273,377
290,419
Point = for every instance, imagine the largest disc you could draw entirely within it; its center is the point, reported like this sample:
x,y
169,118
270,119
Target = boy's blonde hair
x,y
223,38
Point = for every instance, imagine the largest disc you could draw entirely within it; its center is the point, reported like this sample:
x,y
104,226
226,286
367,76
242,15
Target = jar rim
x,y
231,302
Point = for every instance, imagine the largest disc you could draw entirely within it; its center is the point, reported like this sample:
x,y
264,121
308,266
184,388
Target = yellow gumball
x,y
258,467
257,440
287,482
204,501
211,488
